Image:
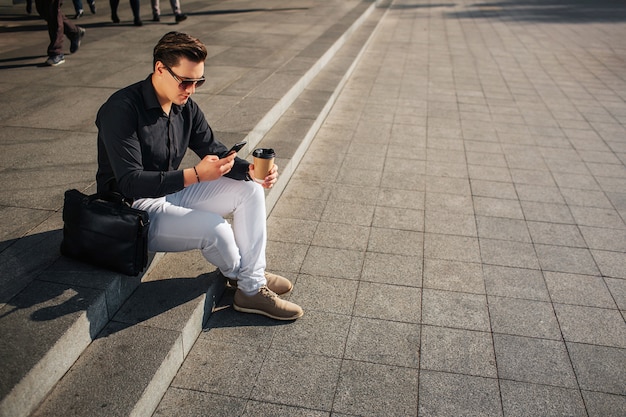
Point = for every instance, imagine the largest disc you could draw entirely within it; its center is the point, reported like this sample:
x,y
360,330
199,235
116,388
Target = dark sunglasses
x,y
185,83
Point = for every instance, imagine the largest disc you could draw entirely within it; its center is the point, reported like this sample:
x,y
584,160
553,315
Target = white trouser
x,y
193,218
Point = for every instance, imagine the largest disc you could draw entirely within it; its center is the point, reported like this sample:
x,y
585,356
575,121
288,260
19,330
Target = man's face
x,y
178,83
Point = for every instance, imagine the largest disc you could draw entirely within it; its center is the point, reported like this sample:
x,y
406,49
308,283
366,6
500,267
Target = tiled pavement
x,y
456,230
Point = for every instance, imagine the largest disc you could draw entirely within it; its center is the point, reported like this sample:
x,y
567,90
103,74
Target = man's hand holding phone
x,y
235,148
211,167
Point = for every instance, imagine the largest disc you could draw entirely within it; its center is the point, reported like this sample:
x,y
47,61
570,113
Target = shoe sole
x,y
55,64
265,313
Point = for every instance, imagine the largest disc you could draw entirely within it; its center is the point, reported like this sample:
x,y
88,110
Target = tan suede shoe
x,y
267,303
280,285
276,283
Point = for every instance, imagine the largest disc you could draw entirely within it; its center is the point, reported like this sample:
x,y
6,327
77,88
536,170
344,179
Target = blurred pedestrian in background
x,y
178,14
58,27
134,5
78,7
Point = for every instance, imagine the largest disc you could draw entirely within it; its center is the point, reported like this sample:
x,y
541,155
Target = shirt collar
x,y
150,96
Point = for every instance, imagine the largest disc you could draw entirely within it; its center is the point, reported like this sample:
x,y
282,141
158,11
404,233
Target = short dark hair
x,y
176,45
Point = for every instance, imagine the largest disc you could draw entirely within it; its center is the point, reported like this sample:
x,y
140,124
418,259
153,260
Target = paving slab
x,y
483,240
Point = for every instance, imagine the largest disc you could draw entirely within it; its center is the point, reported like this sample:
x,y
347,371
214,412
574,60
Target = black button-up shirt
x,y
140,147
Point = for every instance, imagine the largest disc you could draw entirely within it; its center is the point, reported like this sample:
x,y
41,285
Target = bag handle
x,y
111,196
109,193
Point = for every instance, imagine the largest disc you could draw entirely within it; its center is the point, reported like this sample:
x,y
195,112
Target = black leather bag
x,y
105,231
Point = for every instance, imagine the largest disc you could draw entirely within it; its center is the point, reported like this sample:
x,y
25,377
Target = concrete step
x,y
154,330
129,366
131,362
68,320
50,323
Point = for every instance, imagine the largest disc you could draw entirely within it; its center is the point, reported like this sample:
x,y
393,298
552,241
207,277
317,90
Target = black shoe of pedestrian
x,y
137,22
92,7
115,18
55,60
180,17
156,18
79,14
75,44
29,7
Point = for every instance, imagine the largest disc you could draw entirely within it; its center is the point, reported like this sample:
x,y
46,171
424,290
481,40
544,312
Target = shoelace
x,y
267,293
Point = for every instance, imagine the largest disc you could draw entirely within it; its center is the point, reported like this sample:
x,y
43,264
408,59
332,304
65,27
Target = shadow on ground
x,y
551,11
224,315
237,11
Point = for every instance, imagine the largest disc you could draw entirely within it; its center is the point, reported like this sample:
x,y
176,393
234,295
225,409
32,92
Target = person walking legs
x,y
179,16
78,8
134,5
58,27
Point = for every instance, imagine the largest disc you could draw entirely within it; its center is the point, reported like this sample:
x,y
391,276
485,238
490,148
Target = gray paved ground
x,y
456,231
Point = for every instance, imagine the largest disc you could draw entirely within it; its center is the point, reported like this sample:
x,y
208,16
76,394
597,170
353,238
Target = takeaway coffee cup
x,y
263,163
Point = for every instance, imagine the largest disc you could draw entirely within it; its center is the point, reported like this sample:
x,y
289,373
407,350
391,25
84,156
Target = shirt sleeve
x,y
117,127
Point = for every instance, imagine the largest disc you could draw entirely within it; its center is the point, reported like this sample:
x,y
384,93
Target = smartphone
x,y
236,148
